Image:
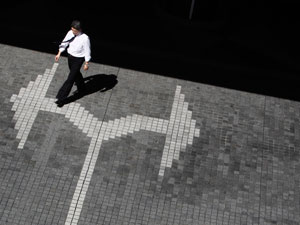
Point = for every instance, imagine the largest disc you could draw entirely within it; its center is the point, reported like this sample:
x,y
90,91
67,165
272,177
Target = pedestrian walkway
x,y
141,149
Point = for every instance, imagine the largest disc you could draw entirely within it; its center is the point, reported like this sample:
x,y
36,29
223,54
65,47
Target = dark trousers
x,y
74,76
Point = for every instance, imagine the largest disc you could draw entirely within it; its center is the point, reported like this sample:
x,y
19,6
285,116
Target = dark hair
x,y
76,24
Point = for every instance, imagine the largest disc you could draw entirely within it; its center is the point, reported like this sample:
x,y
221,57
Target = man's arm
x,y
63,45
87,53
57,56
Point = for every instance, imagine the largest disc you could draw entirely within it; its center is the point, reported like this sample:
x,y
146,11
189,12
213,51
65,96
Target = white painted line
x,y
180,130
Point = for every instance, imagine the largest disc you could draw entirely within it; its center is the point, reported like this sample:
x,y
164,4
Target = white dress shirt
x,y
79,47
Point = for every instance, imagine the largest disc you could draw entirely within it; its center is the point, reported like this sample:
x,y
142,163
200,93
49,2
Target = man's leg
x,y
79,81
74,65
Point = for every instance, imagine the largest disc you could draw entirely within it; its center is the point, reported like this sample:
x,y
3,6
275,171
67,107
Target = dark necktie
x,y
70,40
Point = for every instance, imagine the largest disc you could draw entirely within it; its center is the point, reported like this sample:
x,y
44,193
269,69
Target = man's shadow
x,y
94,83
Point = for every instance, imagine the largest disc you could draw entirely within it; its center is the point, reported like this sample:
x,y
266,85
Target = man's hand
x,y
57,56
86,66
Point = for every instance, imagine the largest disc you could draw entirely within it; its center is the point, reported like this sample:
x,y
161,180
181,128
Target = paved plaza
x,y
141,149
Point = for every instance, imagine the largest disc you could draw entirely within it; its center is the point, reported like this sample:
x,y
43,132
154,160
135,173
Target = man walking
x,y
79,52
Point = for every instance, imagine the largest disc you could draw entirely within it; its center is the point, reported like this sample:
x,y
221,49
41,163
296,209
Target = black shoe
x,y
79,92
60,103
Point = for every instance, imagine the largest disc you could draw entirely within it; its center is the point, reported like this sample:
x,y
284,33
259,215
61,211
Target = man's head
x,y
76,27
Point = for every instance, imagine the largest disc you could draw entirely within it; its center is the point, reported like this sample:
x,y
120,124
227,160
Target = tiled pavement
x,y
149,150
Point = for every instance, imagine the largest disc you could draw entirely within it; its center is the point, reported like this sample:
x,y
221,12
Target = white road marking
x,y
180,129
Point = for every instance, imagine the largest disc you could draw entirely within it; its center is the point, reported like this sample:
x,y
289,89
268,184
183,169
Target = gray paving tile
x,y
116,165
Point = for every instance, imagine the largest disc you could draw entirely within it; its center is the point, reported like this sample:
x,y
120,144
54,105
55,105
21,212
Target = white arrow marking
x,y
180,129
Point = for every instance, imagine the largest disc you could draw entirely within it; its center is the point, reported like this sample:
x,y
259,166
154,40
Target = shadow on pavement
x,y
94,83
